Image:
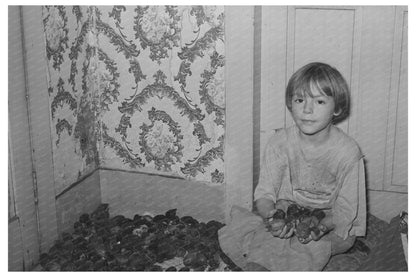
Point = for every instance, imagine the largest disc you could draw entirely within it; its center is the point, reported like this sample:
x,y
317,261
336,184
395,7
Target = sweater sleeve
x,y
350,205
271,172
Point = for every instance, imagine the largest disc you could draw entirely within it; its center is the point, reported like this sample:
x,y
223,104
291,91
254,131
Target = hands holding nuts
x,y
278,226
304,223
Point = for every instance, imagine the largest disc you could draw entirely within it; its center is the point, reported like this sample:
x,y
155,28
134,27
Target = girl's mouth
x,y
307,121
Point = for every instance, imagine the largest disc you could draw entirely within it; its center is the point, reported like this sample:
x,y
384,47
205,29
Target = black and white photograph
x,y
207,138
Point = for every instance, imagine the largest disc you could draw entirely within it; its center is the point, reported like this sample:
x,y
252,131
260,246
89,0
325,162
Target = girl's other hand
x,y
270,213
284,233
318,233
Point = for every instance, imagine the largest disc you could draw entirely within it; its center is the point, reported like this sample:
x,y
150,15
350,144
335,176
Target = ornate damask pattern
x,y
56,33
73,116
161,141
157,27
138,87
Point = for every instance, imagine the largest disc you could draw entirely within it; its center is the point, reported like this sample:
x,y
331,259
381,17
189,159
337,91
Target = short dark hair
x,y
329,82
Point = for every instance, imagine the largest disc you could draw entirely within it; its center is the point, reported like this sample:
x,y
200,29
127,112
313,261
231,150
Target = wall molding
x,y
21,146
76,183
393,105
238,154
386,191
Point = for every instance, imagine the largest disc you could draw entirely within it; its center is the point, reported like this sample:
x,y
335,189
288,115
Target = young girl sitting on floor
x,y
313,164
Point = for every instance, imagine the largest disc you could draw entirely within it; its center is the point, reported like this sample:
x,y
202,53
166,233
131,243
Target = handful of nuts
x,y
303,219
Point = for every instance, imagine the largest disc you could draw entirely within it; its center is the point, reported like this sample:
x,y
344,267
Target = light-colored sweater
x,y
332,177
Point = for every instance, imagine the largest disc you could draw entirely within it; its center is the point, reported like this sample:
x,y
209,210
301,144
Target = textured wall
x,y
137,88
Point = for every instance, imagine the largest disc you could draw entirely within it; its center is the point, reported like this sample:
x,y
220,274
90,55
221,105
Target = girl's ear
x,y
337,113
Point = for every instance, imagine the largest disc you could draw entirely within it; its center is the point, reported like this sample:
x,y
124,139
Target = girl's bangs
x,y
322,84
306,86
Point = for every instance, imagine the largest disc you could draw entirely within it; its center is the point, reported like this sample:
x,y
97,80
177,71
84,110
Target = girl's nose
x,y
308,107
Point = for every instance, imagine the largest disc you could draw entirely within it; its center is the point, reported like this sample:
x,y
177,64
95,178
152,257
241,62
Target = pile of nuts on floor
x,y
164,242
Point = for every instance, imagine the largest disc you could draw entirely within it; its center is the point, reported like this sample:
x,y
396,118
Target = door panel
x,y
321,34
23,229
396,157
400,146
375,74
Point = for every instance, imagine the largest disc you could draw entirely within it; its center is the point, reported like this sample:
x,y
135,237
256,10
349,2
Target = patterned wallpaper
x,y
139,88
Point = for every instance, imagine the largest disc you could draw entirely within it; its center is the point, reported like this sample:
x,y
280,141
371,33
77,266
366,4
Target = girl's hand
x,y
270,213
317,233
283,204
284,233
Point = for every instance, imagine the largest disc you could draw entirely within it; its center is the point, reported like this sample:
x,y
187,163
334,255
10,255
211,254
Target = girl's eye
x,y
321,102
298,100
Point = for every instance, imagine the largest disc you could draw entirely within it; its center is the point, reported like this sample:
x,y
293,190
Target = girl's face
x,y
312,113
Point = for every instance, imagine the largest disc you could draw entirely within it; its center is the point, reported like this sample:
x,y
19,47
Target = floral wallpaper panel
x,y
73,121
139,87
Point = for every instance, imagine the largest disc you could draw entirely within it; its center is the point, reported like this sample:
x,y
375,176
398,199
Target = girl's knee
x,y
251,266
342,246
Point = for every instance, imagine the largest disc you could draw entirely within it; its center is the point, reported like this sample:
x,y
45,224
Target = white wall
x,y
129,193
